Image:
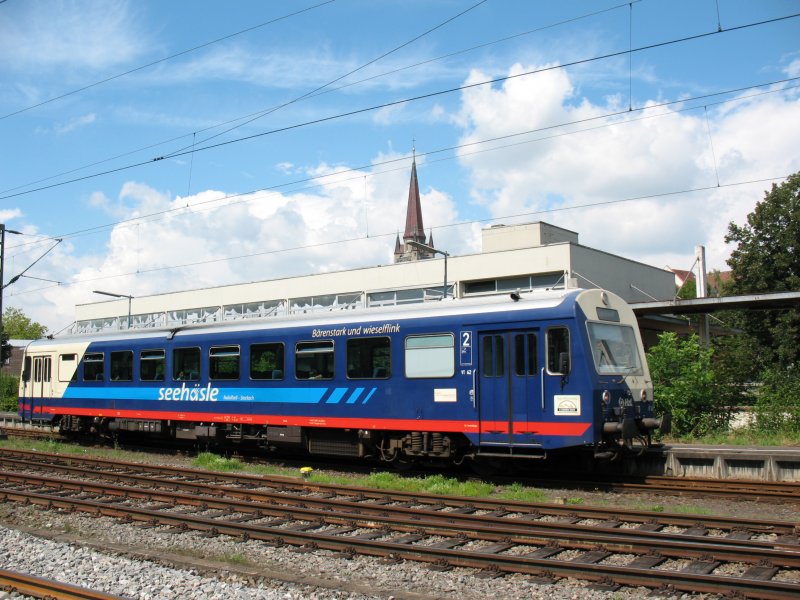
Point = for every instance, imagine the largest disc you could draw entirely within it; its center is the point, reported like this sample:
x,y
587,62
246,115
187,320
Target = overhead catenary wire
x,y
322,87
165,59
319,93
358,170
399,102
390,234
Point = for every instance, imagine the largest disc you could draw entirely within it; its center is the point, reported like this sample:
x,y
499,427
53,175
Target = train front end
x,y
624,415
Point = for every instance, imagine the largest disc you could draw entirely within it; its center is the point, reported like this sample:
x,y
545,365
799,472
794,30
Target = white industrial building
x,y
513,257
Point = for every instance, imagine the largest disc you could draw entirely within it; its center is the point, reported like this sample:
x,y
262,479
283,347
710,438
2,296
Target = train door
x,y
40,386
565,413
509,390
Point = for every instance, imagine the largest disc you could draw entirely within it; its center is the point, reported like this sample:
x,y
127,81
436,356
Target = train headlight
x,y
606,397
643,395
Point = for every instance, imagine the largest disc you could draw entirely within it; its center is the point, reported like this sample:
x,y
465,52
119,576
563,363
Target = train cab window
x,y
526,361
558,362
186,364
93,366
122,365
430,356
152,365
614,348
26,369
223,362
266,361
67,367
314,360
493,356
369,358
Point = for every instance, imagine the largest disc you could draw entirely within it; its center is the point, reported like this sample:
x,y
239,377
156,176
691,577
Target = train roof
x,y
538,299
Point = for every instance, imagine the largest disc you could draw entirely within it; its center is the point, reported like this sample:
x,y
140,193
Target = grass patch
x,y
431,484
209,461
659,508
739,437
573,501
519,493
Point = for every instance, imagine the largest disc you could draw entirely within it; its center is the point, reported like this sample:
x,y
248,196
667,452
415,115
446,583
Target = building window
x,y
369,358
152,365
314,360
430,356
223,362
186,364
93,366
252,310
266,361
327,302
122,365
67,367
412,296
509,284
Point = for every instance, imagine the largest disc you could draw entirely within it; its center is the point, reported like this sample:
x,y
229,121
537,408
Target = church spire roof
x,y
415,231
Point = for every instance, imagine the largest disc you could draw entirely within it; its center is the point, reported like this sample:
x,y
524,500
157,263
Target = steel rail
x,y
398,548
288,484
475,527
40,587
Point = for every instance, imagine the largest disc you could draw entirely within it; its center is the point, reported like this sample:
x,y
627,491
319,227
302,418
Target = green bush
x,y
777,408
684,384
9,386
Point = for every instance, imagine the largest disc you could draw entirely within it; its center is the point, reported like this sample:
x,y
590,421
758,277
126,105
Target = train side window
x,y
122,365
526,361
369,358
314,360
430,356
494,358
67,367
186,364
37,371
93,366
223,362
266,361
46,369
26,369
152,365
558,360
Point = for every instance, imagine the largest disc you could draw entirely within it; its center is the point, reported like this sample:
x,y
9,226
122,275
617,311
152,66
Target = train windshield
x,y
614,349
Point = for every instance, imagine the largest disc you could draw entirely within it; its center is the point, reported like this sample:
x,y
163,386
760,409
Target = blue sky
x,y
273,206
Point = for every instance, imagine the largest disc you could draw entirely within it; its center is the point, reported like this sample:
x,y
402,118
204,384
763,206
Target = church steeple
x,y
415,230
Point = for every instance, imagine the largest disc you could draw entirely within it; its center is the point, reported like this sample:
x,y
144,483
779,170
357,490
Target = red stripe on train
x,y
534,427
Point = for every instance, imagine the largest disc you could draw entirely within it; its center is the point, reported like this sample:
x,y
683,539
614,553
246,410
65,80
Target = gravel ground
x,y
155,563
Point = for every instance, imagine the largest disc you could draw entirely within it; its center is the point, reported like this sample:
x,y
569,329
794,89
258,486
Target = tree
x,y
767,259
17,326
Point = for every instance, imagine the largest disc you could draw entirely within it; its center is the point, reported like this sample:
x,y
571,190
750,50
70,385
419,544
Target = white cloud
x,y
281,234
81,34
75,123
664,152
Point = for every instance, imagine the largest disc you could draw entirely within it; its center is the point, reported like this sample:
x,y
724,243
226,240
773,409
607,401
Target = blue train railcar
x,y
493,377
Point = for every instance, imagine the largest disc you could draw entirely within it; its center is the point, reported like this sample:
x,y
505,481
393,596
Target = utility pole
x,y
702,286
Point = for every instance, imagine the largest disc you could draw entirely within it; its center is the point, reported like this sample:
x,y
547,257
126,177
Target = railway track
x,y
49,589
754,558
753,490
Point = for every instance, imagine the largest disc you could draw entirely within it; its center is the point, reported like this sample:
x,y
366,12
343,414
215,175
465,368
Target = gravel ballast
x,y
157,564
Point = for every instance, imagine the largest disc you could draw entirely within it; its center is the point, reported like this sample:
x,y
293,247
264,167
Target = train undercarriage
x,y
399,448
